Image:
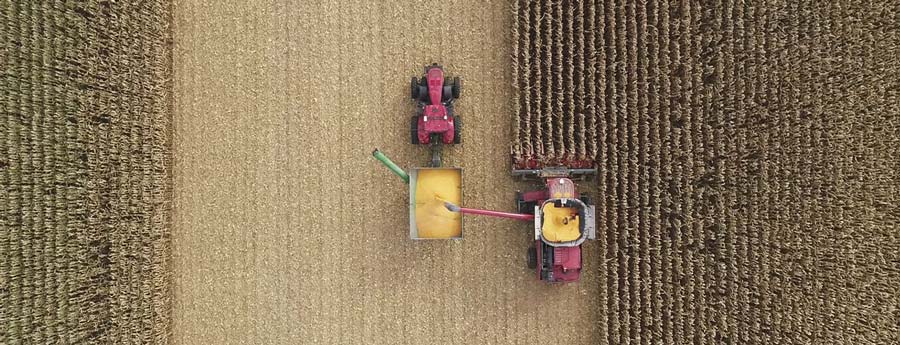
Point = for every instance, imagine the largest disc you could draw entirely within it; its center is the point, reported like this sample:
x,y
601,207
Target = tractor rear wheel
x,y
457,128
414,130
456,87
532,257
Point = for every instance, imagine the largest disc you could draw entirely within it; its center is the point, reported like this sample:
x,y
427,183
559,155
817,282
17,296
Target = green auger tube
x,y
390,165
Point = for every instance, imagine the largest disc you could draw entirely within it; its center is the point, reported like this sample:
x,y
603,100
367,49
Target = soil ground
x,y
286,230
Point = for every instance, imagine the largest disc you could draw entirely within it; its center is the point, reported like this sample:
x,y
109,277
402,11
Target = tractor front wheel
x,y
414,89
532,257
456,87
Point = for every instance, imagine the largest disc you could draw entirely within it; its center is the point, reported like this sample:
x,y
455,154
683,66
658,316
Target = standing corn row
x,y
85,172
745,153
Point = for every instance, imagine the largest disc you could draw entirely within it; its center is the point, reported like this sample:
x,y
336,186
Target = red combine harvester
x,y
435,123
563,219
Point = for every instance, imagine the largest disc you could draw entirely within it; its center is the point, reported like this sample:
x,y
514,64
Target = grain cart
x,y
563,219
429,188
435,123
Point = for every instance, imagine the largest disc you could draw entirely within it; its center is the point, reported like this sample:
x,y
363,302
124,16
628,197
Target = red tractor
x,y
435,122
563,219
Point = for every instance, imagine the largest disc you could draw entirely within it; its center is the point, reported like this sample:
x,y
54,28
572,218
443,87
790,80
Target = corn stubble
x,y
84,172
747,157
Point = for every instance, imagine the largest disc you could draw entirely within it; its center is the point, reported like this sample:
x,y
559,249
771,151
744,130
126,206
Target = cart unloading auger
x,y
391,165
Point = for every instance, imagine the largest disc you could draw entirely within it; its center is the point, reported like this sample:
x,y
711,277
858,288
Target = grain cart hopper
x,y
562,220
429,188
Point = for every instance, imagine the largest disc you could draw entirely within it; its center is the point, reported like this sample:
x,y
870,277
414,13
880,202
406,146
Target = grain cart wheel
x,y
414,89
532,257
456,87
457,128
414,130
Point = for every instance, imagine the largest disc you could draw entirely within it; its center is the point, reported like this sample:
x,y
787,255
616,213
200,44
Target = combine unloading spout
x,y
517,216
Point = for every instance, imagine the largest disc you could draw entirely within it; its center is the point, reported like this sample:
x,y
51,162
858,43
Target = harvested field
x,y
748,155
288,231
85,173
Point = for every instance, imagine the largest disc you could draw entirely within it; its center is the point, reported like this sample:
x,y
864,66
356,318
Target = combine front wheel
x,y
532,257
